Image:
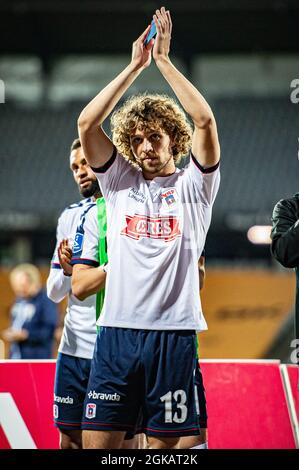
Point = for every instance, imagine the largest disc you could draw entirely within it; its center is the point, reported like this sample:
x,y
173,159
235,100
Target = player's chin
x,y
151,167
87,191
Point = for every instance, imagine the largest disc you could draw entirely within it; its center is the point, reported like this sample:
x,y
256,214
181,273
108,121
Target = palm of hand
x,y
140,55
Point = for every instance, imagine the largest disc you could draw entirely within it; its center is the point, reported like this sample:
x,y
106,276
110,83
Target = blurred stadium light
x,y
260,234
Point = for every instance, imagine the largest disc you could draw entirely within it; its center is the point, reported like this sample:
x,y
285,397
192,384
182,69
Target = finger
x,y
68,250
161,20
166,19
60,256
66,255
158,25
143,35
62,243
64,261
169,21
150,45
163,13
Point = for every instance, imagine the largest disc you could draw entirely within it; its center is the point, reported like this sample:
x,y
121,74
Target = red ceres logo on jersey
x,y
141,226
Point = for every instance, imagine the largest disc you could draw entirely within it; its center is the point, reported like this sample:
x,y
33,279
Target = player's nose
x,y
147,145
82,171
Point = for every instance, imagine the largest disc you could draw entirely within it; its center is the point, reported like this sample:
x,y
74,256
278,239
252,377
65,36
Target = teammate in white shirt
x,y
79,332
158,218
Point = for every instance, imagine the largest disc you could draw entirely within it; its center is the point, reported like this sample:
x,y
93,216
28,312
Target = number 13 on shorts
x,y
180,397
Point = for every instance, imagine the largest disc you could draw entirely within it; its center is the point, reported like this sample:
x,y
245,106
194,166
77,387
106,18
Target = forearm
x,y
201,279
95,113
86,282
190,98
58,285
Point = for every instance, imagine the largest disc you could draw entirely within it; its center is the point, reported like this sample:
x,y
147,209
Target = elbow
x,y
205,122
81,297
51,294
282,254
83,123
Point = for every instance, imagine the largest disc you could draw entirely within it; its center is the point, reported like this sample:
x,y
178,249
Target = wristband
x,y
66,274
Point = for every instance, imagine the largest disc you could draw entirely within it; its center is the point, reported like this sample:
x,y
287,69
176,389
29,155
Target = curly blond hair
x,y
151,112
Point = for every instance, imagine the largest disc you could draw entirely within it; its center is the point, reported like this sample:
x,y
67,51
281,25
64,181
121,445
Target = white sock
x,y
201,446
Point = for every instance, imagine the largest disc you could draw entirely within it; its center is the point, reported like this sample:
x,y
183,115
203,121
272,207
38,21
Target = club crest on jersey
x,y
91,409
169,198
77,247
142,226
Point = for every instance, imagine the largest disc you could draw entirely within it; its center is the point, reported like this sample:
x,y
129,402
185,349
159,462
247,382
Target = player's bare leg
x,y
162,442
143,443
70,439
103,439
187,442
131,443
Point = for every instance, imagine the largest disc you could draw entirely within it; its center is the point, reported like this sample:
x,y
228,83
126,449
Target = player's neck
x,y
96,196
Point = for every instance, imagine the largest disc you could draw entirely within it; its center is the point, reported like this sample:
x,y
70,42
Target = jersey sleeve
x,y
58,285
203,181
89,246
111,176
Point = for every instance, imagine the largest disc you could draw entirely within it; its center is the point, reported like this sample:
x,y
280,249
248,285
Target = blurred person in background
x,y
34,316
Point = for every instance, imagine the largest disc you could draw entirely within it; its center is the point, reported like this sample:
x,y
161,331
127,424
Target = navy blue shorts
x,y
200,399
71,380
143,373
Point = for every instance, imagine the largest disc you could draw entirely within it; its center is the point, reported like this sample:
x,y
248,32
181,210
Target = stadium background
x,y
243,56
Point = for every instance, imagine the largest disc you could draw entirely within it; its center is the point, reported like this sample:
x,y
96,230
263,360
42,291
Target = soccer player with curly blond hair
x,y
144,365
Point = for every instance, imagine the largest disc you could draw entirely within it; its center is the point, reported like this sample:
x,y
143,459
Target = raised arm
x,y
96,144
205,144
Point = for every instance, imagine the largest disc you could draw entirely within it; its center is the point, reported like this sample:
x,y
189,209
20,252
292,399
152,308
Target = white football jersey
x,y
79,332
156,234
